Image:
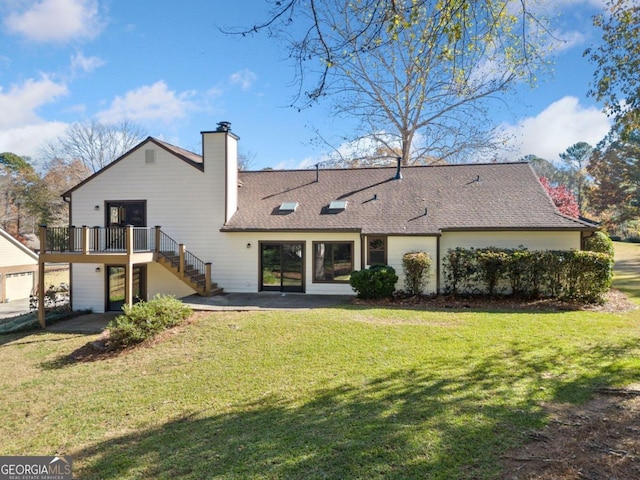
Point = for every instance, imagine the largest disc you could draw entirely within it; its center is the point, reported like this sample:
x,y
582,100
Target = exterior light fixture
x,y
248,245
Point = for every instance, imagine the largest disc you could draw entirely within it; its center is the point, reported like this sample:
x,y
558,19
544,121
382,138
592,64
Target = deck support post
x,y
128,270
207,278
85,239
158,231
40,292
41,318
181,250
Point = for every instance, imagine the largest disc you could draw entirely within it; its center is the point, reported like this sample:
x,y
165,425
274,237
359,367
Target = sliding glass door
x,y
282,267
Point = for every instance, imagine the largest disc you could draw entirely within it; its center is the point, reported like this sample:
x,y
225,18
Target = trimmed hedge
x,y
378,281
143,320
567,275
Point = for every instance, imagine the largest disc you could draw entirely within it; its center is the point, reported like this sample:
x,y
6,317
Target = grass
x,y
627,269
347,392
56,274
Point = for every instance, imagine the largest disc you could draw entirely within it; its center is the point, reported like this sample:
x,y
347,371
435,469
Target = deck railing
x,y
97,239
90,240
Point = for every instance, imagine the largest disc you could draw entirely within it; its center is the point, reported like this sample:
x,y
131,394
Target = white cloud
x,y
244,78
148,103
18,105
562,124
82,64
56,20
562,41
27,140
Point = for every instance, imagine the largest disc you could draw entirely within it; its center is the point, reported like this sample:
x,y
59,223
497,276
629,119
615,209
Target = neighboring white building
x,y
199,225
18,269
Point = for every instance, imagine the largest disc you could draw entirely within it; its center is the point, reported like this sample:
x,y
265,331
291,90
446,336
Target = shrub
x,y
144,320
416,271
378,281
459,268
568,275
492,264
600,242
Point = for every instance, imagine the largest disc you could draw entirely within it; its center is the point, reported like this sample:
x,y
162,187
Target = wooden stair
x,y
187,267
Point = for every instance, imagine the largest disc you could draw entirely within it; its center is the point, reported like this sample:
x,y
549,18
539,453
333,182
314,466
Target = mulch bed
x,y
616,301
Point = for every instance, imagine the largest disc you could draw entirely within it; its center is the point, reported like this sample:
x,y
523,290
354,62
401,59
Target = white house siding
x,y
236,267
88,287
162,281
513,239
11,254
398,246
531,240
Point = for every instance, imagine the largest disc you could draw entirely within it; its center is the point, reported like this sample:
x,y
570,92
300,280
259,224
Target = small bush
x,y
600,242
144,320
378,281
416,267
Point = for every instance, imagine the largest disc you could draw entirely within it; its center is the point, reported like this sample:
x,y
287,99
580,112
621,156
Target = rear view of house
x,y
18,269
161,219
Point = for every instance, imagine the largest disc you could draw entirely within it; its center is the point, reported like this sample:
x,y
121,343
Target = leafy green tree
x,y
615,168
617,61
576,159
15,172
545,168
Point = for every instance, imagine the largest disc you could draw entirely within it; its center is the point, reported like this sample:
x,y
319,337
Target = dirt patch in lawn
x,y
599,440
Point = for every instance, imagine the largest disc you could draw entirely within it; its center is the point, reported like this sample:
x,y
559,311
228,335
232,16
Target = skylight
x,y
288,207
338,205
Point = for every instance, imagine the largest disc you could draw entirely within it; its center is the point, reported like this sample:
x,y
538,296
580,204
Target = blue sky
x,y
166,66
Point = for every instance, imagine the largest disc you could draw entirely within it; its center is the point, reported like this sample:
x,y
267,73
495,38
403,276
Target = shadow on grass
x,y
408,424
390,428
28,337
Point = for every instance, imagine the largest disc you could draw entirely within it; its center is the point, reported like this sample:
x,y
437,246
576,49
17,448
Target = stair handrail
x,y
199,266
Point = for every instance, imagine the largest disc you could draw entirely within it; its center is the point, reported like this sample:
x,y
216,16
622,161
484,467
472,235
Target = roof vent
x,y
224,127
288,207
338,205
398,170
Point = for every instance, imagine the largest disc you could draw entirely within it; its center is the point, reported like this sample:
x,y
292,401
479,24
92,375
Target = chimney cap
x,y
224,126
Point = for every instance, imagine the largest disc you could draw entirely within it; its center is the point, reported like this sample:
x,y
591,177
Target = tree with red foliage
x,y
563,198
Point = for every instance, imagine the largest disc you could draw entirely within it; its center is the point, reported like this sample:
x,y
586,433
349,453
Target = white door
x,y
19,285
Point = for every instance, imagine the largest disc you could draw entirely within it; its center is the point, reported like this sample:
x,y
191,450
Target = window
x,y
376,250
332,261
338,205
288,207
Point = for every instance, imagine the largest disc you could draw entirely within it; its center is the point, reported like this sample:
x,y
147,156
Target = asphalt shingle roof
x,y
427,200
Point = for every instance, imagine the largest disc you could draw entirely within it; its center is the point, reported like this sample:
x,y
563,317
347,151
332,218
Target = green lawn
x,y
342,393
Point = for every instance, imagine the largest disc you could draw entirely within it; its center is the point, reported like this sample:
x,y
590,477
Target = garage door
x,y
19,285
